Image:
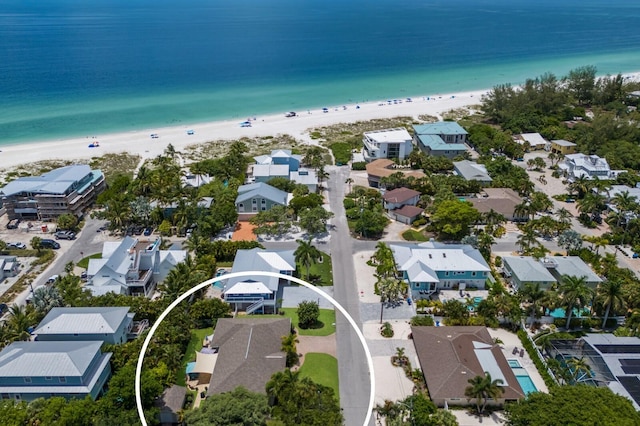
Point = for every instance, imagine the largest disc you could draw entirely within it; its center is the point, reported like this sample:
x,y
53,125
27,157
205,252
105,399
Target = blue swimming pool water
x,y
526,384
560,313
514,363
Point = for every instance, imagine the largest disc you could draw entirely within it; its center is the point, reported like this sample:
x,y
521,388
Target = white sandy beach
x,y
140,142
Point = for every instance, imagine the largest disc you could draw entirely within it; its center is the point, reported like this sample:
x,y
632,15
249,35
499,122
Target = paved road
x,y
86,243
352,367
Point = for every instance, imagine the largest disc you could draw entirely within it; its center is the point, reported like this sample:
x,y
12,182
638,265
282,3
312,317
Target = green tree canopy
x,y
239,407
573,405
452,219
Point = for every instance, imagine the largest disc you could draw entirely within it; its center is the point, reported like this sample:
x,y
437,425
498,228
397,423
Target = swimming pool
x,y
514,363
526,384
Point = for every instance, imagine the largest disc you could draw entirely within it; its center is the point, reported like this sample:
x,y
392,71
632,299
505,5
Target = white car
x,y
17,245
52,279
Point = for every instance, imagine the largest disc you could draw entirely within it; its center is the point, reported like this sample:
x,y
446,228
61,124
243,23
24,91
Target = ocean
x,y
76,67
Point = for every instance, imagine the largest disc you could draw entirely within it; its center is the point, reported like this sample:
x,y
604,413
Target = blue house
x,y
441,139
431,266
281,163
112,325
31,370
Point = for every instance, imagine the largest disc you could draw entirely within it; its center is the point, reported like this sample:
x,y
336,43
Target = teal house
x,y
441,139
31,370
431,266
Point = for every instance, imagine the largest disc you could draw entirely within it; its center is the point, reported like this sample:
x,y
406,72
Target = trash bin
x,y
45,228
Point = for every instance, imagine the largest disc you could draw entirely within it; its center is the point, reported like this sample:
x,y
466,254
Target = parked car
x,y
148,231
3,308
52,279
65,235
51,244
13,224
290,114
83,276
17,245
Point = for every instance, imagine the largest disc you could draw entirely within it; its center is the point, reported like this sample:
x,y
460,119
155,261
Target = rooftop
x,y
528,269
439,128
396,135
262,190
383,168
562,142
58,181
400,195
436,143
470,170
85,320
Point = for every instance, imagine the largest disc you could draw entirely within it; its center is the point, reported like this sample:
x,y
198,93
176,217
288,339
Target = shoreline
x,y
140,141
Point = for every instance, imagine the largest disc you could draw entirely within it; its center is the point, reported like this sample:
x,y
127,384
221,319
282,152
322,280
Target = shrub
x,y
420,222
359,165
422,320
386,330
341,152
348,203
533,354
308,313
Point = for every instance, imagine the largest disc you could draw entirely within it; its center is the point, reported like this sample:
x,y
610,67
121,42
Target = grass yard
x,y
327,318
411,235
84,263
197,336
320,273
323,369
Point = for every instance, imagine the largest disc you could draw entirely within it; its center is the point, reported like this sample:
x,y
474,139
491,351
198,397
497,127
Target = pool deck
x,y
511,341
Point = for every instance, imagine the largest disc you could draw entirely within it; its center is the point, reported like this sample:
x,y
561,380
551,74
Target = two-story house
x,y
260,293
69,189
561,146
130,267
547,271
283,164
254,198
31,370
441,139
401,204
591,167
113,325
387,143
432,266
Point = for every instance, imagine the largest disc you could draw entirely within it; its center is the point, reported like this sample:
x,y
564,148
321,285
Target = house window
x,y
417,285
27,379
18,398
62,379
473,274
5,396
254,208
48,378
446,274
264,208
263,201
241,206
254,201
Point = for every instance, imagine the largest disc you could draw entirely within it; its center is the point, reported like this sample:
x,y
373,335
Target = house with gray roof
x,y
259,293
442,139
113,325
258,197
500,200
249,352
432,266
451,356
31,370
282,163
470,170
69,189
577,166
131,267
547,271
523,270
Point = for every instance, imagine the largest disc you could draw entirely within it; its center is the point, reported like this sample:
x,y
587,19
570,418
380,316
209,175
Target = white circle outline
x,y
204,284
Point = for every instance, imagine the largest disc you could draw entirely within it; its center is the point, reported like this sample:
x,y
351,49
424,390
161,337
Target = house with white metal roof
x,y
282,163
259,292
31,370
592,167
432,266
130,267
112,325
444,138
69,189
535,140
9,266
387,143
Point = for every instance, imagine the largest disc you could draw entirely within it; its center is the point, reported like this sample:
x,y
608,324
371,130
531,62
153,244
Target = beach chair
x,y
521,353
515,351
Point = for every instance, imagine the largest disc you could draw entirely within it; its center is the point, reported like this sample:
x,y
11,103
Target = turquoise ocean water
x,y
77,67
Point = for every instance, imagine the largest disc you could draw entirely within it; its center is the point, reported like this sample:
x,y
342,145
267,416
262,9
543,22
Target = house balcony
x,y
137,328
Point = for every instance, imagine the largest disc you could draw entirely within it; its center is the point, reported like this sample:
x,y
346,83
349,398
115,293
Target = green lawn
x,y
197,336
321,274
327,318
84,263
323,369
411,235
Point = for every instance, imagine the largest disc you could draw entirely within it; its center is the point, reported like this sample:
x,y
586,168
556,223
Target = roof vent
x,y
444,254
430,257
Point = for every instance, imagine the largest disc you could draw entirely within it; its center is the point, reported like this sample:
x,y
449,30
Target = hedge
x,y
533,354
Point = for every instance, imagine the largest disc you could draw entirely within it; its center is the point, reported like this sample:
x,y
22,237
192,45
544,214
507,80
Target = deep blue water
x,y
78,67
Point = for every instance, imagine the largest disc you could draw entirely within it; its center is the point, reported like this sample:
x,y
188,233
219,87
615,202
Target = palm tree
x,y
36,244
18,323
289,347
45,298
591,204
349,181
389,290
281,384
625,202
581,186
384,261
306,254
577,366
527,240
533,294
611,295
482,389
564,215
575,294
